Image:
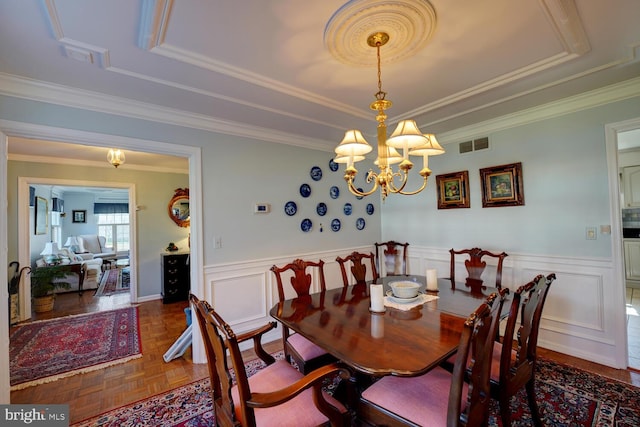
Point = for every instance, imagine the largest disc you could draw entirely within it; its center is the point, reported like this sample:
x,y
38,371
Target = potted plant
x,y
44,281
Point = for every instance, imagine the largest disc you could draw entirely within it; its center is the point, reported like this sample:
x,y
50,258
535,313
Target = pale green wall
x,y
153,192
565,187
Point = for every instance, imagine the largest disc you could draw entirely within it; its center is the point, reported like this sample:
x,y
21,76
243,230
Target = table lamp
x,y
50,253
72,243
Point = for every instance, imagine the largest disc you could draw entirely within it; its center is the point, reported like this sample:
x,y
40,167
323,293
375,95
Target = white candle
x,y
377,298
432,279
377,326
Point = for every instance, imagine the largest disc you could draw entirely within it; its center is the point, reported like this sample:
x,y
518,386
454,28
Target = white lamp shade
x,y
345,159
393,157
353,144
71,241
50,248
431,148
406,135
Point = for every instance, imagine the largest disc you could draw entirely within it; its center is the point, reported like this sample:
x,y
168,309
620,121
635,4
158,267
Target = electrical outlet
x,y
591,233
217,242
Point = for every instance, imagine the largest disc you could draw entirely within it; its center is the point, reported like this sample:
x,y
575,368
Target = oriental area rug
x,y
48,350
566,396
113,281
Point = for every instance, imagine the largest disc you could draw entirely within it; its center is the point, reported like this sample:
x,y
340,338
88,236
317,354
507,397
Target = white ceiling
x,y
262,67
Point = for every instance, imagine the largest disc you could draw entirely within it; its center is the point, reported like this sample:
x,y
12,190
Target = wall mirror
x,y
179,207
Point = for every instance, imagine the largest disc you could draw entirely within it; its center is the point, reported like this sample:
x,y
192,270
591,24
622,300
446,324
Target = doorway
x,y
117,269
628,148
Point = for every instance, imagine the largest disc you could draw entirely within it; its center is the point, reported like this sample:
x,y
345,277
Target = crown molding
x,y
36,90
595,98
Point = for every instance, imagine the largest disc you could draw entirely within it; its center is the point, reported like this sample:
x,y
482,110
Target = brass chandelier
x,y
406,136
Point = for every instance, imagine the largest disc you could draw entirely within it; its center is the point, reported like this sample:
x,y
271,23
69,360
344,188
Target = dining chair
x,y
277,395
475,267
514,358
358,267
304,353
439,397
394,255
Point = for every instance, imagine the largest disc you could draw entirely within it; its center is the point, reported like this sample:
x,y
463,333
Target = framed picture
x,y
502,186
453,190
79,216
41,216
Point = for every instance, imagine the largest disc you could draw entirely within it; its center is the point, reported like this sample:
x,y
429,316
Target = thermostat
x,y
262,208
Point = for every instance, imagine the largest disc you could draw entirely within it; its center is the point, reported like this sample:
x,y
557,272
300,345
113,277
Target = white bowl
x,y
404,289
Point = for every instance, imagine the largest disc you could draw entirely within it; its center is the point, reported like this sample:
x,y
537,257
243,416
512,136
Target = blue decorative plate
x,y
370,209
334,192
321,209
347,208
360,197
316,173
306,225
335,225
360,223
305,190
290,208
333,165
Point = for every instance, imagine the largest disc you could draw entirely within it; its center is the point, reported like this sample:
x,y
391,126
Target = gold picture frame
x,y
41,215
502,185
453,190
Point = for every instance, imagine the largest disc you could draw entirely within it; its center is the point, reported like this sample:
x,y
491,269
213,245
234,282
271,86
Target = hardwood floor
x,y
160,325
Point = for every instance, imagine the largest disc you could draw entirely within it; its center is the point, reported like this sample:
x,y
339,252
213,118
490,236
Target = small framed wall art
x,y
79,216
502,185
453,190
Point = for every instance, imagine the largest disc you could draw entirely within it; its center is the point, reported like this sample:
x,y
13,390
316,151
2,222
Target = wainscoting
x,y
581,317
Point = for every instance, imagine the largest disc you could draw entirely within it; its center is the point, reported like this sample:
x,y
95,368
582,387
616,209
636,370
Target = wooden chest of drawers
x,y
175,277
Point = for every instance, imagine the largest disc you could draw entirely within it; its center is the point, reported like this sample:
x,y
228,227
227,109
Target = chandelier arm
x,y
359,193
411,193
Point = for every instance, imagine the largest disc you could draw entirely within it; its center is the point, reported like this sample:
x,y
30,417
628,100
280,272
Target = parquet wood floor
x,y
160,325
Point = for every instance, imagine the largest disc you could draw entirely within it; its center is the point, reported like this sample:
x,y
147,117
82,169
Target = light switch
x,y
591,233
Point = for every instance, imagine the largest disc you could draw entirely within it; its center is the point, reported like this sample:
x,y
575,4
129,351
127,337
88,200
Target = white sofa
x,y
94,246
92,271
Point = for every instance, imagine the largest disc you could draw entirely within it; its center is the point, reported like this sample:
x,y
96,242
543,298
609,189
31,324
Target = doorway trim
x,y
611,145
10,128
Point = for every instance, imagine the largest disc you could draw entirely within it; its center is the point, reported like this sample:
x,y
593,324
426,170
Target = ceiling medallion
x,y
409,23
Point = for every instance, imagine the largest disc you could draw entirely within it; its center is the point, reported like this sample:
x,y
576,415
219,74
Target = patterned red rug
x,y
47,350
113,281
567,397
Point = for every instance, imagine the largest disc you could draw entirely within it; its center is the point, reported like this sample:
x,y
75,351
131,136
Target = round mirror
x,y
179,207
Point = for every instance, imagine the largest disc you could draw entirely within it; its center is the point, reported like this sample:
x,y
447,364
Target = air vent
x,y
480,144
466,147
475,145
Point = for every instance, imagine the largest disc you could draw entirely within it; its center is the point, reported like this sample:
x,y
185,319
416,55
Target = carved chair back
x,y
475,267
358,267
394,256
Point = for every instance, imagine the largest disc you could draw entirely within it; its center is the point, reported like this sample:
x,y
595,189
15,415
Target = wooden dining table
x,y
396,342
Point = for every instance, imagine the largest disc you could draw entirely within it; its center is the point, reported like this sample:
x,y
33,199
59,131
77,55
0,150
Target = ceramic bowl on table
x,y
404,289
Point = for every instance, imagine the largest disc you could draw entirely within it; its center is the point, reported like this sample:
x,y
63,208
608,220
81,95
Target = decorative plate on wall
x,y
335,225
334,192
360,190
316,173
333,165
305,190
370,209
360,223
347,208
290,208
321,209
306,225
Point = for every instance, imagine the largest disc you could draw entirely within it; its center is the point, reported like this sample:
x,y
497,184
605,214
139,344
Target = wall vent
x,y
475,145
466,147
